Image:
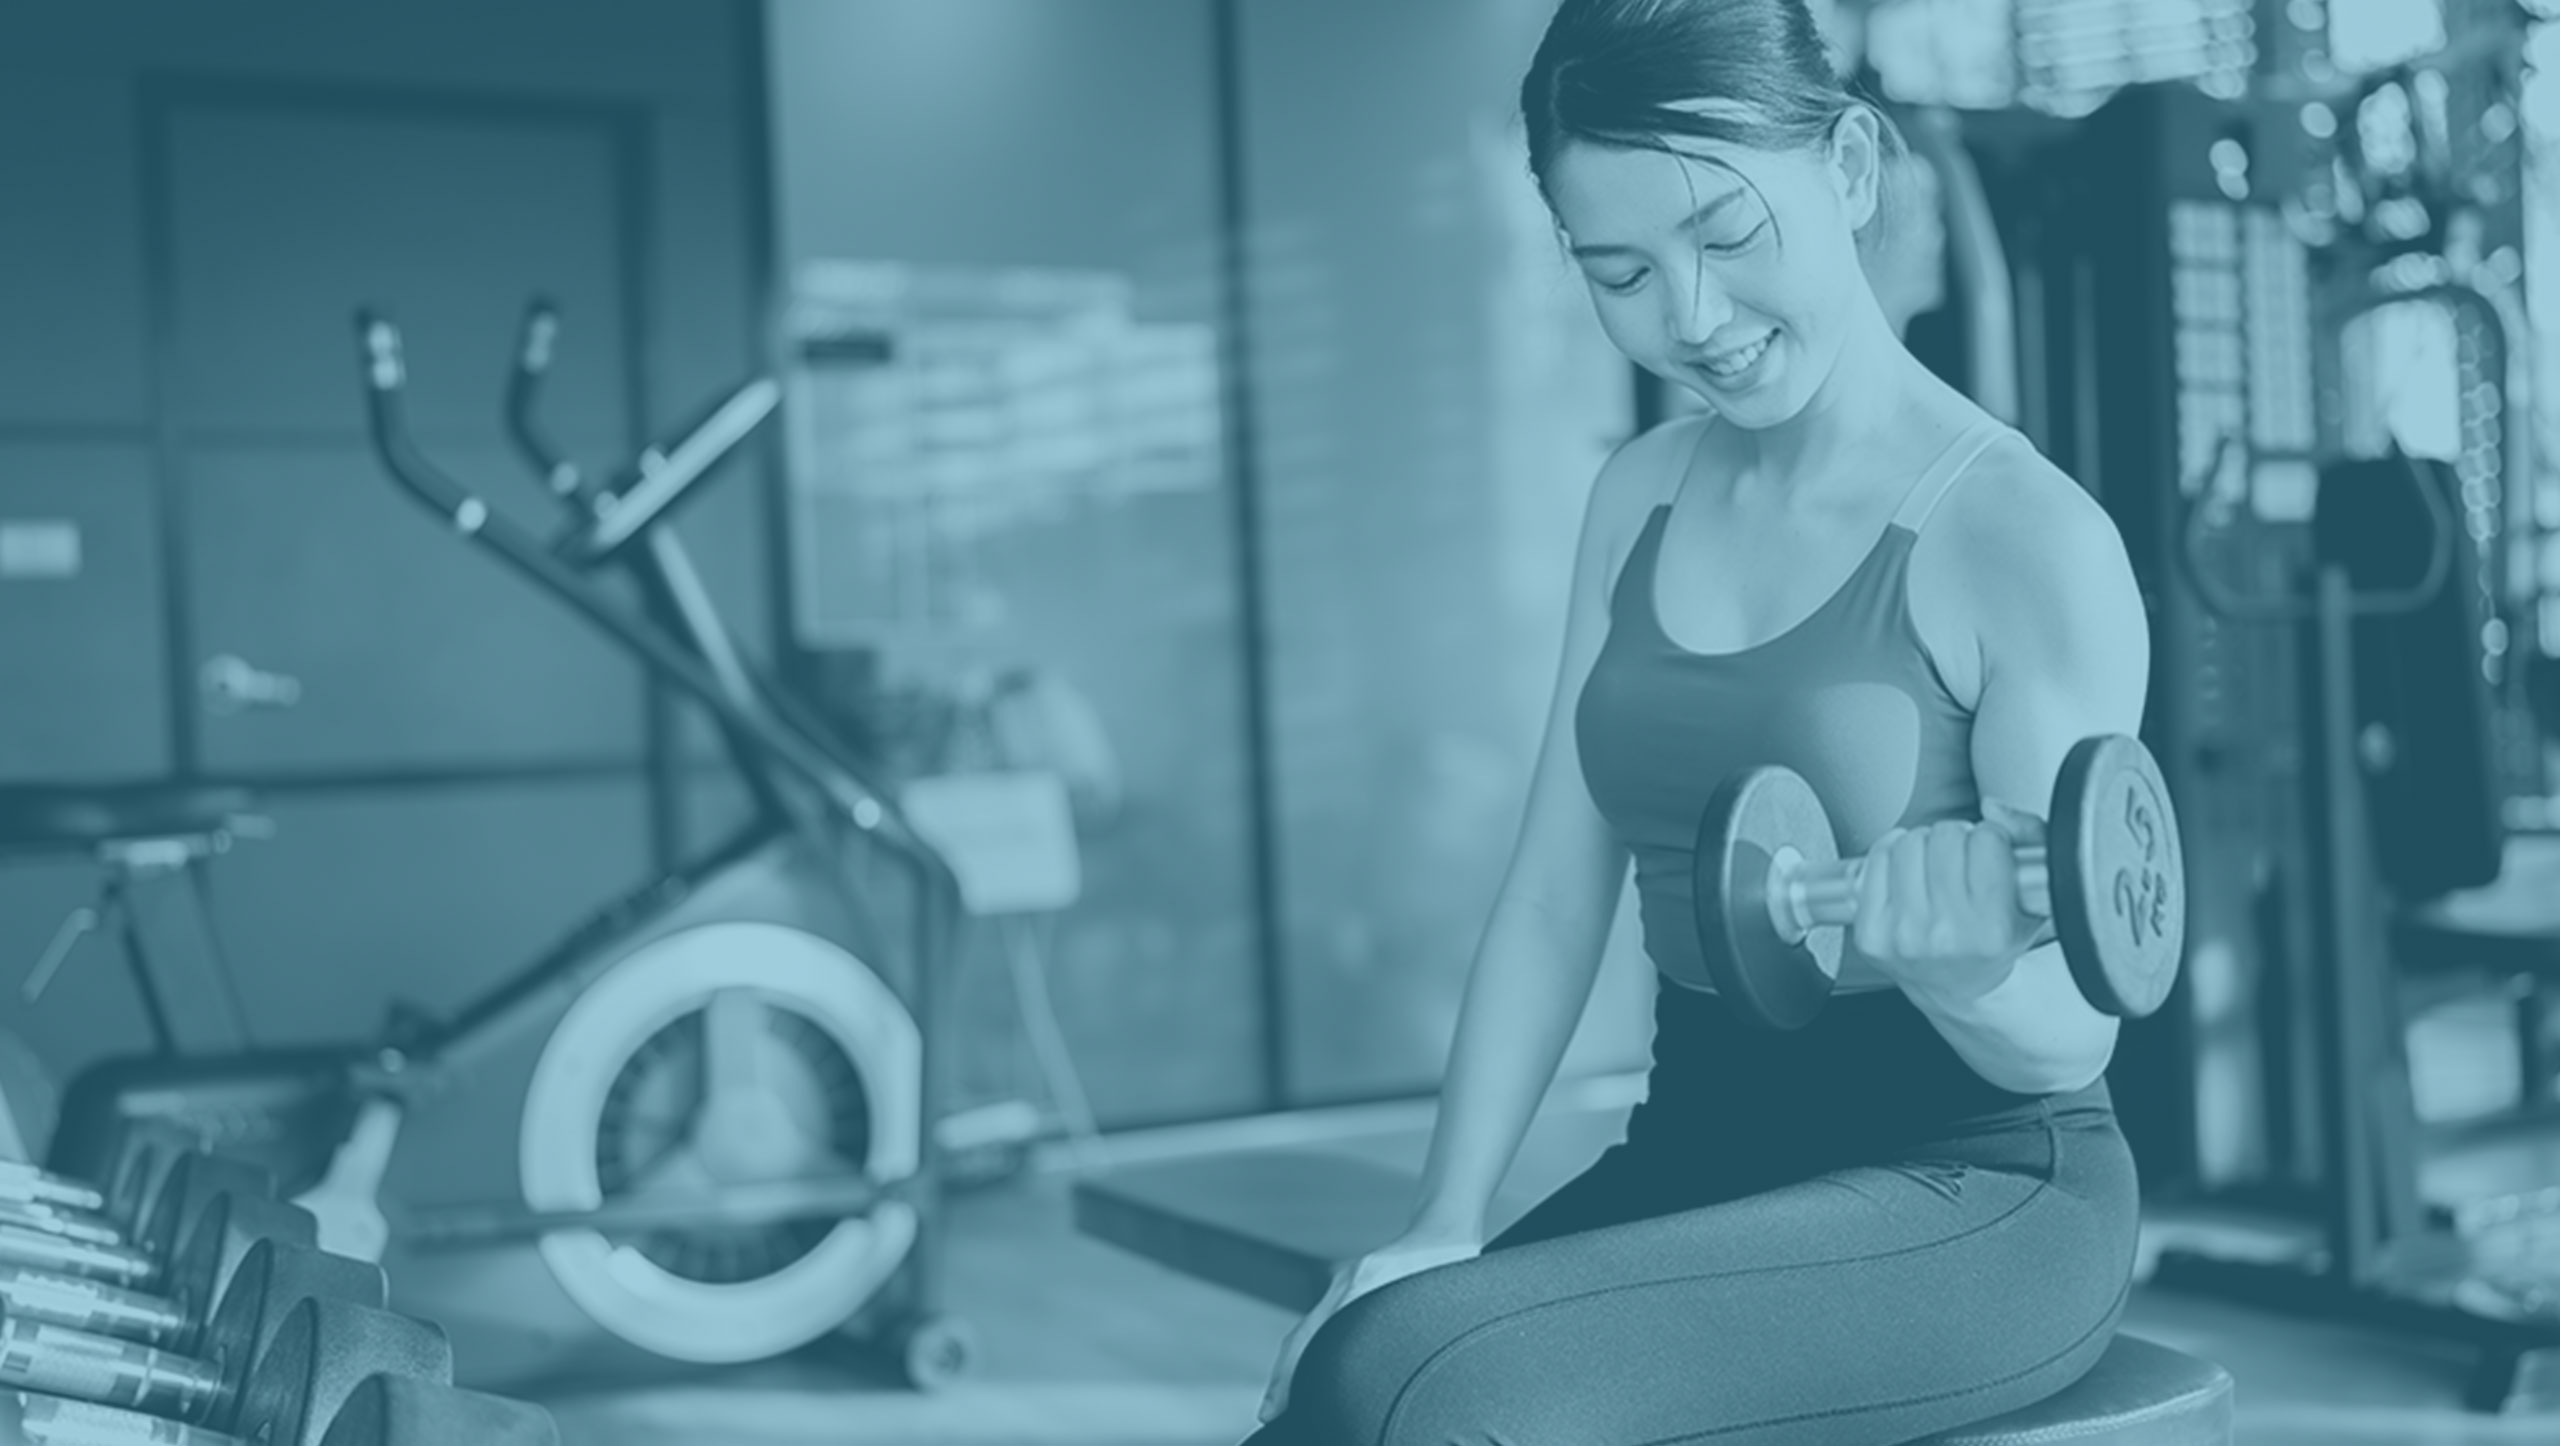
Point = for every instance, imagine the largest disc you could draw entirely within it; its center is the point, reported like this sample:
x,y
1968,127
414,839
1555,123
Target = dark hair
x,y
1647,74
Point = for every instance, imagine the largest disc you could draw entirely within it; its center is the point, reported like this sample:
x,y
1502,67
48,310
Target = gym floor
x,y
1083,1344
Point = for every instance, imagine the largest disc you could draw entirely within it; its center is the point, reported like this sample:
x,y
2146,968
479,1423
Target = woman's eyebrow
x,y
1697,219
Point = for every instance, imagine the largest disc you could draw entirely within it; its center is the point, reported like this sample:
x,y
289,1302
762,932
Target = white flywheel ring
x,y
622,1288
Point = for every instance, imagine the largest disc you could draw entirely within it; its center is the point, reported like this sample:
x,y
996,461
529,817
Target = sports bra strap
x,y
1943,474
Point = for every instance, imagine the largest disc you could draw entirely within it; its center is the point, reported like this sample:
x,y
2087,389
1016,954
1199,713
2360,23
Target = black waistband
x,y
1870,1071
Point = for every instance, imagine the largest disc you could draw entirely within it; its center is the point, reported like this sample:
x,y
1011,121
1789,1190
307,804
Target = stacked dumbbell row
x,y
184,1305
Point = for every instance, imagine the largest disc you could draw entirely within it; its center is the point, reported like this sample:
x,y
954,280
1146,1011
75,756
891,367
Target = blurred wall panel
x,y
204,198
413,650
283,212
979,137
1432,401
71,299
80,612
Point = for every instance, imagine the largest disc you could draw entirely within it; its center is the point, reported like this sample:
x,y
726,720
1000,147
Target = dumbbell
x,y
396,1411
202,1220
138,1166
94,1307
25,1184
227,1224
144,1151
291,1395
152,1203
1773,896
202,1385
74,1213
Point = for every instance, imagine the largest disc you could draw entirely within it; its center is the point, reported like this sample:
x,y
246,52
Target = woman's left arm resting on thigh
x,y
2039,577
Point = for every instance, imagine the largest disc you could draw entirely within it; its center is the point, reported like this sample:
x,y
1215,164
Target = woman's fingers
x,y
1275,1398
1875,887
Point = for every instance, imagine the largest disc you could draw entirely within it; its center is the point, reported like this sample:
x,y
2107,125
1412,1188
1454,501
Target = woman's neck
x,y
1876,392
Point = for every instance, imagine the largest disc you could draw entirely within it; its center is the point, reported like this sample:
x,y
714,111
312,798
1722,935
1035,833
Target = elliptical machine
x,y
698,1128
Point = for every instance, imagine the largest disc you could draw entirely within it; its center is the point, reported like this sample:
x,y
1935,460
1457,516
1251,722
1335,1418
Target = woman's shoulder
x,y
1645,471
2017,514
1640,476
2018,552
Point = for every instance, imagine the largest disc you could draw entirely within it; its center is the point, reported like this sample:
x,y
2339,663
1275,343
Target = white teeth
x,y
1735,363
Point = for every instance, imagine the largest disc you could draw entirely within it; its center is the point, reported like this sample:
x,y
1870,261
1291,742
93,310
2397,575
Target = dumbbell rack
x,y
261,1337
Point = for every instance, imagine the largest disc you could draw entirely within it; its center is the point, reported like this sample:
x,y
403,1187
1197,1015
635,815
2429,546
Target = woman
x,y
1919,1211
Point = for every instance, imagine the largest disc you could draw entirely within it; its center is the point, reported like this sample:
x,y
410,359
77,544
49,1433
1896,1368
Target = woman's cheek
x,y
1622,322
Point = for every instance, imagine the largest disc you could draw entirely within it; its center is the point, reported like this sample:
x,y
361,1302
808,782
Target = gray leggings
x,y
1727,1283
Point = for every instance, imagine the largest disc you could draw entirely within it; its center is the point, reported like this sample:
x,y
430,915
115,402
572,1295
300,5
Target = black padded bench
x,y
1274,1224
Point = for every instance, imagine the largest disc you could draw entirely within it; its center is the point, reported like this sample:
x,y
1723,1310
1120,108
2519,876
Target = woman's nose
x,y
1696,307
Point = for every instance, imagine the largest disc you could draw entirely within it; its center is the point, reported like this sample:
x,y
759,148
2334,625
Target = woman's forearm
x,y
1525,995
2032,1033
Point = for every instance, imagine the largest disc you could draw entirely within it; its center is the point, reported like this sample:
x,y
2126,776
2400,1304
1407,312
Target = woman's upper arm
x,y
2065,646
1568,863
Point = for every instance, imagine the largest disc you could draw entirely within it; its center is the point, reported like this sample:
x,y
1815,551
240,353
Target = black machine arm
x,y
665,572
2204,516
621,510
663,567
385,381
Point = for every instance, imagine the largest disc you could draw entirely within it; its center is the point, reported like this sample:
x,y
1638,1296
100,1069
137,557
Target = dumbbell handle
x,y
90,1305
35,1356
25,1184
116,1264
42,1420
66,1224
1804,897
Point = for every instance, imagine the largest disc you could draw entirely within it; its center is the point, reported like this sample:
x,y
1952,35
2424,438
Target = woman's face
x,y
1743,293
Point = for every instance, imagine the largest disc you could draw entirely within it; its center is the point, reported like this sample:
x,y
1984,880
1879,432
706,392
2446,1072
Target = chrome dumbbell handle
x,y
91,1305
37,1356
1805,896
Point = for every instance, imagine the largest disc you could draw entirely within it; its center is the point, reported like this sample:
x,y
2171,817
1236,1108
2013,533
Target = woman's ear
x,y
1856,161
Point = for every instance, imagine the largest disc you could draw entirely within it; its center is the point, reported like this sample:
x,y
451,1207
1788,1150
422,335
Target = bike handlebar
x,y
386,381
614,514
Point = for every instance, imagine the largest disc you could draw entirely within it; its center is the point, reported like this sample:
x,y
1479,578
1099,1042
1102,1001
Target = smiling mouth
x,y
1735,362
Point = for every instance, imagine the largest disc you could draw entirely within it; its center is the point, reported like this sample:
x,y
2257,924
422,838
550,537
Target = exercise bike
x,y
697,1128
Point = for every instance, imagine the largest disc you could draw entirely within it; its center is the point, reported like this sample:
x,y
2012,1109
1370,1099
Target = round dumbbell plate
x,y
1749,822
2118,876
322,1352
389,1408
274,1277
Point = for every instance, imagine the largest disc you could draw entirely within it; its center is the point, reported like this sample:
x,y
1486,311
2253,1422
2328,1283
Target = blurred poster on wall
x,y
1008,483
1027,198
938,407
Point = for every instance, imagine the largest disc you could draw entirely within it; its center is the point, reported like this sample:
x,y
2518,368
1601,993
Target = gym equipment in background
x,y
1774,898
693,1129
134,835
2200,264
2381,1255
